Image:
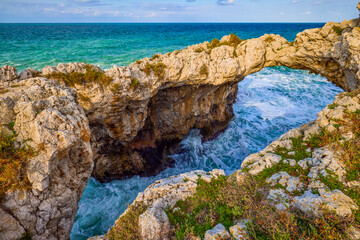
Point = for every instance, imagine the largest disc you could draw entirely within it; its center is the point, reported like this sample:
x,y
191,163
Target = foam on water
x,y
268,104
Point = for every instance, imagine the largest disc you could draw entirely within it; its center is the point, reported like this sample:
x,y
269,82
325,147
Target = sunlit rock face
x,y
138,119
46,117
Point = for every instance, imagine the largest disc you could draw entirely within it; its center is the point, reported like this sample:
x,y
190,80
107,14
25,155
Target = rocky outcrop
x,y
139,117
303,183
47,118
321,163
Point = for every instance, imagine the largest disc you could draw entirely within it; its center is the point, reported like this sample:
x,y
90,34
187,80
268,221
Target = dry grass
x,y
204,70
225,201
158,69
13,163
126,227
91,76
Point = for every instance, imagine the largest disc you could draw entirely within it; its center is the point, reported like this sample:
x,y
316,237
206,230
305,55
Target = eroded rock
x,y
49,115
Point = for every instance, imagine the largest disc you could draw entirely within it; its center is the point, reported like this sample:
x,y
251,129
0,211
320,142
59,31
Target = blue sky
x,y
177,10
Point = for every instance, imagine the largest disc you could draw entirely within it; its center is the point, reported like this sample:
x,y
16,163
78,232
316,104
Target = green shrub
x,y
337,29
204,70
13,162
91,76
158,69
126,227
269,39
134,82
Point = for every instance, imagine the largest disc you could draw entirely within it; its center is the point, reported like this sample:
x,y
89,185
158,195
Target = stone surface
x,y
238,231
136,126
50,116
154,224
219,232
8,73
9,227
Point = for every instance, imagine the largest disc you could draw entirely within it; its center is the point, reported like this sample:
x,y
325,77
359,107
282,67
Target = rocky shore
x,y
80,121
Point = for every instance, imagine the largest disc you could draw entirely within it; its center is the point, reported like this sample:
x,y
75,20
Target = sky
x,y
50,11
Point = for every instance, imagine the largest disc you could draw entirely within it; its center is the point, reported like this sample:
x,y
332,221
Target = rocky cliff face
x,y
142,114
313,169
138,114
47,118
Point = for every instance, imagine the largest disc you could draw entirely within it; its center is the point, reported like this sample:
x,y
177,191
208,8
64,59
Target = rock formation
x,y
48,115
143,113
306,188
139,116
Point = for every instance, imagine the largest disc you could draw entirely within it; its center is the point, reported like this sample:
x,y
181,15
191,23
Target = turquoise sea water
x,y
268,103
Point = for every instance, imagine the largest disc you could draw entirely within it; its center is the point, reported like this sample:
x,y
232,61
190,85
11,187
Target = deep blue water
x,y
268,103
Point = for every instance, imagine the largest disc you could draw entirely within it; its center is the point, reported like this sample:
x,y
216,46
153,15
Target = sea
x,y
268,104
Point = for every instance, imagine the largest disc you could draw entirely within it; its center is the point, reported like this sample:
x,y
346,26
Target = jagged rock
x,y
166,192
142,115
339,202
309,203
279,199
29,73
8,73
154,224
291,183
50,116
353,233
219,232
9,227
238,231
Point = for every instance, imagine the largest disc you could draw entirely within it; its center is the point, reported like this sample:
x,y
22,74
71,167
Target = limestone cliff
x,y
142,114
135,117
312,169
47,118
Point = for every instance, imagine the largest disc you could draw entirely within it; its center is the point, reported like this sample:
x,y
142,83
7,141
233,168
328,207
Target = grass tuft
x,y
337,29
204,70
13,162
91,76
158,69
126,227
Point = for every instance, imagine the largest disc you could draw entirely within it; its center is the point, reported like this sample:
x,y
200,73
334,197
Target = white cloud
x,y
153,14
308,13
295,2
282,13
231,1
317,3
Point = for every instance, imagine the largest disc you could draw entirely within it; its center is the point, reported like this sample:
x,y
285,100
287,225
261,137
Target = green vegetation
x,y
26,236
158,69
83,98
138,61
134,82
91,76
2,90
291,43
13,162
198,50
126,227
233,41
223,200
337,29
204,70
332,106
269,39
155,56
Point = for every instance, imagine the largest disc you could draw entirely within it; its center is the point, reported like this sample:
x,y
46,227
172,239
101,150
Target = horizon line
x,y
143,22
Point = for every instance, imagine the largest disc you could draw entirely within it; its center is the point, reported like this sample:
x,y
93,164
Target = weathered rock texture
x,y
141,116
144,112
50,116
304,192
316,196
